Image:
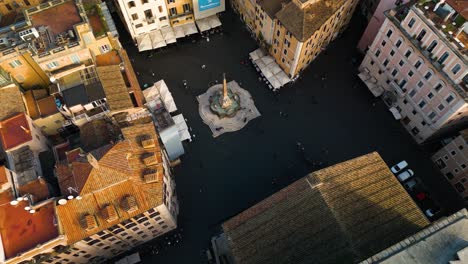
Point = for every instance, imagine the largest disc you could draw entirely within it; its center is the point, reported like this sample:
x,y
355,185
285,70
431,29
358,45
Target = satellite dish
x,y
19,199
32,211
79,197
14,202
62,201
27,208
70,197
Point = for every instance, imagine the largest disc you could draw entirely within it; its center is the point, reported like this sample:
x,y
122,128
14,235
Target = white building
x,y
418,63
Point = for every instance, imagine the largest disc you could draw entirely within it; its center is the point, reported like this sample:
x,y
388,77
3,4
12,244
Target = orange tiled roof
x,y
20,230
113,178
38,188
15,131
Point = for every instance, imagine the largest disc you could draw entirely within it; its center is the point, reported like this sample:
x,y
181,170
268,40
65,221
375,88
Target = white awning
x,y
283,78
144,42
157,39
213,21
253,55
274,82
179,31
182,127
189,28
266,72
168,34
275,68
267,60
396,114
203,25
371,84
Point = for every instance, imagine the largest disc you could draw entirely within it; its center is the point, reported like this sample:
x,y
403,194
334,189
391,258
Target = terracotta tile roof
x,y
38,188
73,175
15,131
20,230
12,101
302,23
117,180
271,7
343,213
95,134
3,175
114,87
109,58
47,106
461,6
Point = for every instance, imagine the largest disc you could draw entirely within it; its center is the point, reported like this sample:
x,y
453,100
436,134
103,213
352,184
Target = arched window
x,y
443,58
432,46
456,69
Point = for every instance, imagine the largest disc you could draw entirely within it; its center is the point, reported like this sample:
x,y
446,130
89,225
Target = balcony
x,y
400,91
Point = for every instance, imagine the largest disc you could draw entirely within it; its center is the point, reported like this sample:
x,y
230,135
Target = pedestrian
x,y
203,66
207,39
138,73
152,73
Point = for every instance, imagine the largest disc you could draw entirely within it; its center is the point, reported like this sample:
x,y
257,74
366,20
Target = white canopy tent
x,y
213,21
161,91
157,39
254,56
283,78
168,35
131,259
274,82
179,32
182,127
266,72
203,25
144,42
189,28
269,68
267,60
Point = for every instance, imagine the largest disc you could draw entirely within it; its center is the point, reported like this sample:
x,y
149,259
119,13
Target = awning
x,y
157,39
275,68
168,34
396,114
179,32
253,55
266,72
267,60
274,82
283,78
189,28
182,127
203,25
144,42
213,21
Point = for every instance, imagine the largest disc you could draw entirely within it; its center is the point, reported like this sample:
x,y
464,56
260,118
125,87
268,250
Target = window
x,y
432,115
428,75
371,62
432,46
134,16
394,72
15,63
170,1
377,53
453,152
403,84
52,65
172,11
411,23
423,123
460,147
385,63
148,14
398,43
456,69
8,6
430,95
414,112
408,53
131,4
463,166
412,93
417,64
401,63
160,9
405,101
105,48
410,73
441,164
144,2
415,131
186,8
446,157
421,35
384,43
392,52
162,18
449,99
443,58
438,87
389,33
449,175
459,186
422,104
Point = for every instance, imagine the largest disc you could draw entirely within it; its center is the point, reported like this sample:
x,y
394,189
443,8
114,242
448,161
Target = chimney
x,y
25,130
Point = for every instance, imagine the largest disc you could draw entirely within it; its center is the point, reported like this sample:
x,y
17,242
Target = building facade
x,y
374,11
452,160
295,32
418,64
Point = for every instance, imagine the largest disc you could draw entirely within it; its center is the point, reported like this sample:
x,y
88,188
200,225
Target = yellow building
x,y
15,6
246,10
180,11
296,31
22,67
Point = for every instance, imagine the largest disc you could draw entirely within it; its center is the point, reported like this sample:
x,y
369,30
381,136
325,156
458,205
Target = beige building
x,y
340,214
452,160
9,8
418,64
295,32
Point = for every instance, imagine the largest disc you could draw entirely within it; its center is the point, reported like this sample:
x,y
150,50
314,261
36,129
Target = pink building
x,y
452,160
418,64
374,10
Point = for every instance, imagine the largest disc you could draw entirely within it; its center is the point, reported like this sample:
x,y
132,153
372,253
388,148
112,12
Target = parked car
x,y
399,167
431,212
405,175
421,196
412,184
